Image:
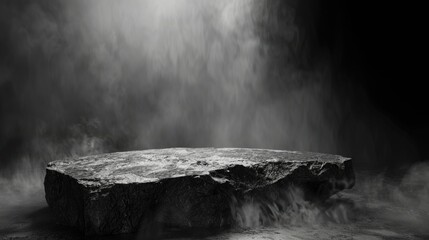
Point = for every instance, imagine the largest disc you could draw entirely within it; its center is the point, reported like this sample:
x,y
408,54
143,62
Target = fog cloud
x,y
81,77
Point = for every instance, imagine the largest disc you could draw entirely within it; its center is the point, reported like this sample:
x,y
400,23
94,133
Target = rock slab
x,y
181,187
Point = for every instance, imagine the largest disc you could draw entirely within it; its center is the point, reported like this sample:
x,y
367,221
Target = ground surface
x,y
368,211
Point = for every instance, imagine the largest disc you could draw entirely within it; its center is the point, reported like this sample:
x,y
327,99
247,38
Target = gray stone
x,y
181,187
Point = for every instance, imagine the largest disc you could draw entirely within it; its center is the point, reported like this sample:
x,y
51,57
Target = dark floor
x,y
376,208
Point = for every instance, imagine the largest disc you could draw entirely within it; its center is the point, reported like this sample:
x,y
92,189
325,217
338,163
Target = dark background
x,y
380,46
374,49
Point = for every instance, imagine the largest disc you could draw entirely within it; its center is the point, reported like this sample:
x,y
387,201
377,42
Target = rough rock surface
x,y
181,187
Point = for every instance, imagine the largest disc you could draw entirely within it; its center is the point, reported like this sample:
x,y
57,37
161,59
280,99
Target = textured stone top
x,y
156,164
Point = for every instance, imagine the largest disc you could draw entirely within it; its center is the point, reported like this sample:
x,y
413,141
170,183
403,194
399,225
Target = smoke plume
x,y
80,77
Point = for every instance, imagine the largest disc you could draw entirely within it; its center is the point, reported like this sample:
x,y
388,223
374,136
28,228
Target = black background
x,y
375,47
381,46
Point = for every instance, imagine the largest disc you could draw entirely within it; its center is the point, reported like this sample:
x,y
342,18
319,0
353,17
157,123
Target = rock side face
x,y
181,187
